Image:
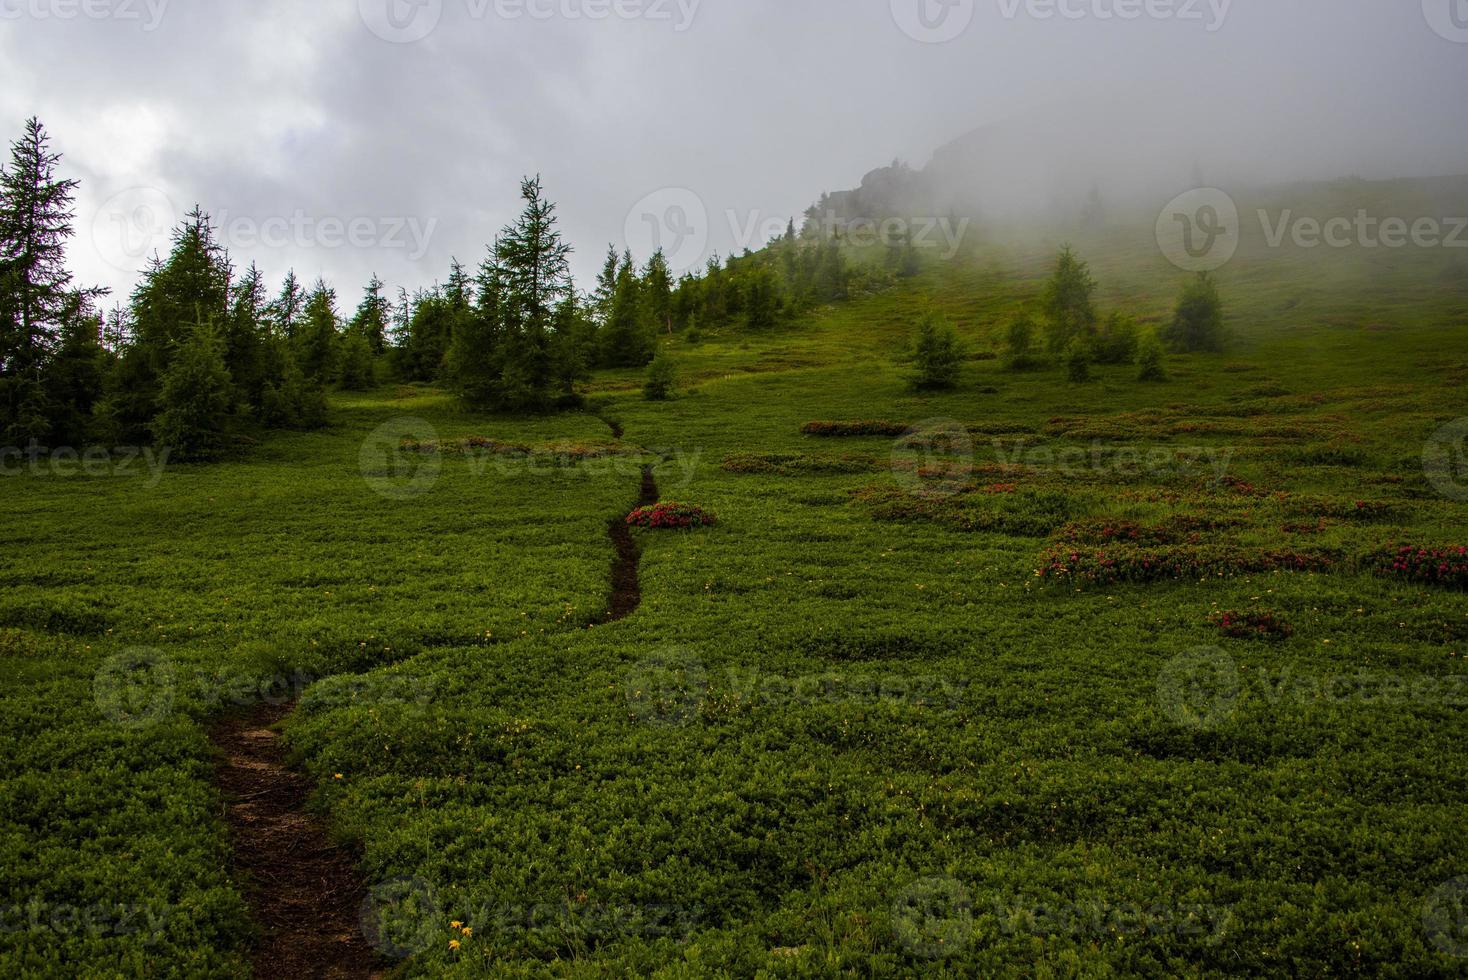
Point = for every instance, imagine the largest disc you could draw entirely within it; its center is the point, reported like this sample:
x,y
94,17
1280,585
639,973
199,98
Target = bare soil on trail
x,y
302,888
626,580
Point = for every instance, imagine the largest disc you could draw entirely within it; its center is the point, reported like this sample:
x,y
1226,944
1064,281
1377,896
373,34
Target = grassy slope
x,y
708,821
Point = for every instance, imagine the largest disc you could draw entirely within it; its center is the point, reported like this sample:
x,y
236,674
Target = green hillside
x,y
1044,678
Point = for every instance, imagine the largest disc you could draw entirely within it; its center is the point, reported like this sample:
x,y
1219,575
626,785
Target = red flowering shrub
x,y
670,515
1257,624
1445,567
870,427
1178,529
1131,563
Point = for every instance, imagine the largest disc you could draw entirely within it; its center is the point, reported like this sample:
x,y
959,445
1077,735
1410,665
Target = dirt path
x,y
303,890
626,581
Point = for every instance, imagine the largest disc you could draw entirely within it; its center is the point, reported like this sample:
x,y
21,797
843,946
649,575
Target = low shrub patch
x,y
479,444
870,427
1252,624
1180,529
1129,563
1443,567
1327,456
794,464
1000,508
671,515
1341,510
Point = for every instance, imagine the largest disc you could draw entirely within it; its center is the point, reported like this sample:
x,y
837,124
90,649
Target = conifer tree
x,y
356,372
475,357
316,337
535,263
285,311
606,285
191,286
194,401
1197,323
1069,311
627,337
657,283
372,315
35,224
937,355
245,335
762,303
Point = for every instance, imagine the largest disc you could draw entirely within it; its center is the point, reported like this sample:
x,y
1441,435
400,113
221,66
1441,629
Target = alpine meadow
x,y
520,489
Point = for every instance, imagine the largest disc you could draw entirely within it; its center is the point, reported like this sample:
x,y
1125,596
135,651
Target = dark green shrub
x,y
661,376
1149,360
937,355
1197,323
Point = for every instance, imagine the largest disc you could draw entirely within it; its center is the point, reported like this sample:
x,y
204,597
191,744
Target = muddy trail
x,y
303,890
626,566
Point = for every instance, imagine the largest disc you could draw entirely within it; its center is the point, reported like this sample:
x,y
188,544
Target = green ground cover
x,y
852,728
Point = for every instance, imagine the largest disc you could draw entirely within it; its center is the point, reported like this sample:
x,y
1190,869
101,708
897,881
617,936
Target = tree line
x,y
201,355
1071,331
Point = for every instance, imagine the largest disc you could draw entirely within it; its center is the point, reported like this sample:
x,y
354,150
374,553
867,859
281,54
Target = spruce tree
x,y
627,338
316,337
606,285
191,286
657,282
35,224
356,372
285,311
762,302
1069,311
535,262
246,332
194,402
371,318
475,359
73,377
937,355
1197,323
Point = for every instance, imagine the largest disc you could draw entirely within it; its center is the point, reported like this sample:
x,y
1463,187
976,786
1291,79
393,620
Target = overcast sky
x,y
346,137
